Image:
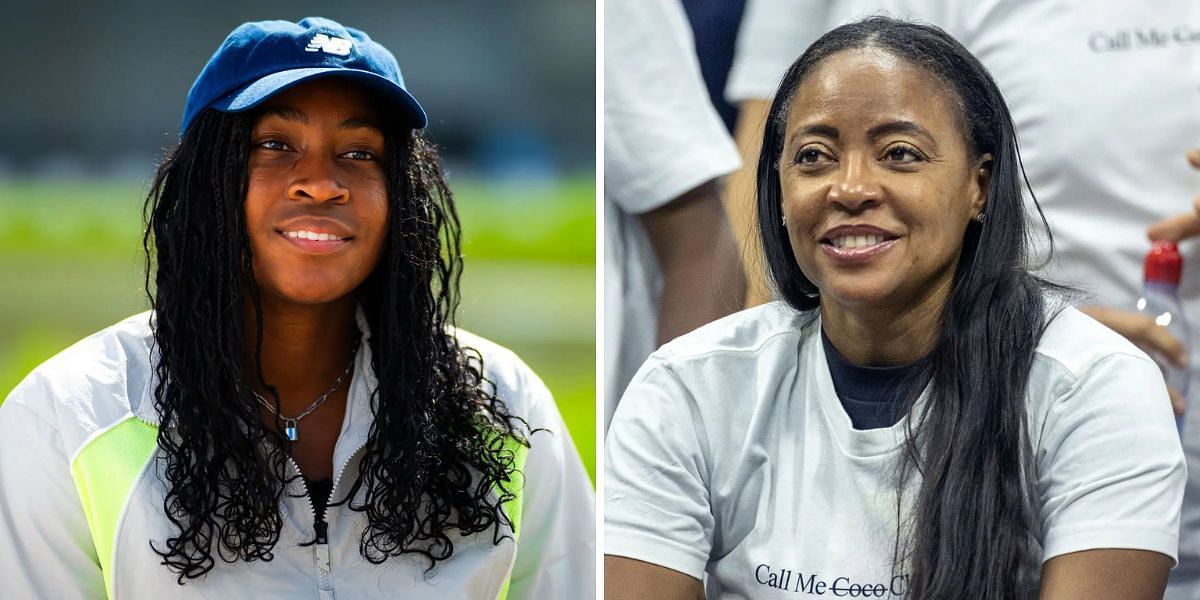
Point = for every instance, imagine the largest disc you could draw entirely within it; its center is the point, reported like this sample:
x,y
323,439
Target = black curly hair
x,y
435,461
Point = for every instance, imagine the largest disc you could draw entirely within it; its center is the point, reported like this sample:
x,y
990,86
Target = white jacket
x,y
98,395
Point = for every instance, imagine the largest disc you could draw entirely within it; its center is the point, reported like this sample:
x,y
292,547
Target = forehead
x,y
327,98
869,85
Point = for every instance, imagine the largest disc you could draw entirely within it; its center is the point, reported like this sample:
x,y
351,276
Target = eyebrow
x,y
360,123
898,127
828,131
288,113
875,132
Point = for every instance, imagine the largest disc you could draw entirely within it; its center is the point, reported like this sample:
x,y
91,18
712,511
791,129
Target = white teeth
x,y
311,235
852,242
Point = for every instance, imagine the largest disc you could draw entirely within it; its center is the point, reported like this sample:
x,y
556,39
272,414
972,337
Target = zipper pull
x,y
322,559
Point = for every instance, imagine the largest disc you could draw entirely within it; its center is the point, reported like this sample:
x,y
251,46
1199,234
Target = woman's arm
x,y
629,579
1106,574
741,203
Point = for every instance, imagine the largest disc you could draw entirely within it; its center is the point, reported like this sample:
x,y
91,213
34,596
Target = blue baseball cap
x,y
261,59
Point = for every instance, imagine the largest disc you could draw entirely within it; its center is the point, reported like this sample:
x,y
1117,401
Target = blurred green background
x,y
71,263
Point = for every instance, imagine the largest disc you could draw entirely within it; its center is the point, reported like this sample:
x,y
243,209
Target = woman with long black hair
x,y
919,417
297,416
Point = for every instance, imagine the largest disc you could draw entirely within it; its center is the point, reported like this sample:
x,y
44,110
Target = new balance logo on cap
x,y
329,45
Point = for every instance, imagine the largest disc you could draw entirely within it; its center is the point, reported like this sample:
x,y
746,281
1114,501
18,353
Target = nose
x,y
856,187
316,181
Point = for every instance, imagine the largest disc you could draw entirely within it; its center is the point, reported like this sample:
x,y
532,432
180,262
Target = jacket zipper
x,y
321,532
320,524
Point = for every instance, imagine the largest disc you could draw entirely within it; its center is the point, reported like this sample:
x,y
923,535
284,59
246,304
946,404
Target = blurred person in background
x,y
714,25
921,416
298,414
670,259
1105,159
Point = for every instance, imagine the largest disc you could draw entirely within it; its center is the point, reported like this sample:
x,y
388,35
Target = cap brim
x,y
256,92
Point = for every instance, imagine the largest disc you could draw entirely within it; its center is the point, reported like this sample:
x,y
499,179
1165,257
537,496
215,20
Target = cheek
x,y
940,212
261,191
371,211
801,205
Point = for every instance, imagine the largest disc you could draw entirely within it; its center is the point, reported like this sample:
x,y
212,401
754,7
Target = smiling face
x,y
878,183
316,205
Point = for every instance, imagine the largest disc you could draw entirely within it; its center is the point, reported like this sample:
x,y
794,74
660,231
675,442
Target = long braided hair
x,y
436,448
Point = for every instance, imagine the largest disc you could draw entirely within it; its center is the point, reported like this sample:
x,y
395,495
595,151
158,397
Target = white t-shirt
x,y
731,456
662,138
1106,100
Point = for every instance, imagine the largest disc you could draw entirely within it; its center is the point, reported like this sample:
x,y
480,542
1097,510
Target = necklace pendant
x,y
290,429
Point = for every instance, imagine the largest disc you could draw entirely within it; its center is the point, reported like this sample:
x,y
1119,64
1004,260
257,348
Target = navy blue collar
x,y
872,396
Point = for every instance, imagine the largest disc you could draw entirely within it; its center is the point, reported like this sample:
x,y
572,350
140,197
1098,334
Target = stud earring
x,y
979,217
784,220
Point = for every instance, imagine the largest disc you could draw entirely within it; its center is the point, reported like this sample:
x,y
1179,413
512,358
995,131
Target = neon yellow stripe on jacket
x,y
104,471
513,507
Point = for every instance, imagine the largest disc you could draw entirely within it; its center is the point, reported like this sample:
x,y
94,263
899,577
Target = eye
x,y
273,144
812,155
903,153
359,155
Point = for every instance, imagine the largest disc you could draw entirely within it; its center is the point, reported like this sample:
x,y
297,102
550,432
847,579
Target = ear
x,y
982,179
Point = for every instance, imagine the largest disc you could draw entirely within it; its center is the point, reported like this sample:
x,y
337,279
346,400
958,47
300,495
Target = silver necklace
x,y
291,425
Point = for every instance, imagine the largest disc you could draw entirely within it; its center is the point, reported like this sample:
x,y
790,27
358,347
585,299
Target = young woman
x,y
920,417
297,417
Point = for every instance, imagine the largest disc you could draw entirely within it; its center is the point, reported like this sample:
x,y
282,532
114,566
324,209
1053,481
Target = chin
x,y
312,293
859,293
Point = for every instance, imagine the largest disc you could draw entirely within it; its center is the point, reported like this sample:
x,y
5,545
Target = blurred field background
x,y
510,93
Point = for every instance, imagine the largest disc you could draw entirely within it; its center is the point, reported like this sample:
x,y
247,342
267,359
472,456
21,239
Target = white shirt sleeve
x,y
773,34
48,548
656,499
556,548
662,136
1110,465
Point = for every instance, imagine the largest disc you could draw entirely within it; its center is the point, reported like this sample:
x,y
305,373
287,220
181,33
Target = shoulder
x,y
1084,372
748,336
90,385
516,384
747,355
1075,345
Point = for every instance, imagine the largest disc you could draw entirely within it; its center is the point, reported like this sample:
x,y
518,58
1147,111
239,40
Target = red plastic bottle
x,y
1160,299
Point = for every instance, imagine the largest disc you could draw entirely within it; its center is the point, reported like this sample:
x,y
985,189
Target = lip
x,y
316,225
856,256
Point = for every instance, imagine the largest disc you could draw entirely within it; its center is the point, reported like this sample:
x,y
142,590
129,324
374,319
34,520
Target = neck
x,y
305,348
885,336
